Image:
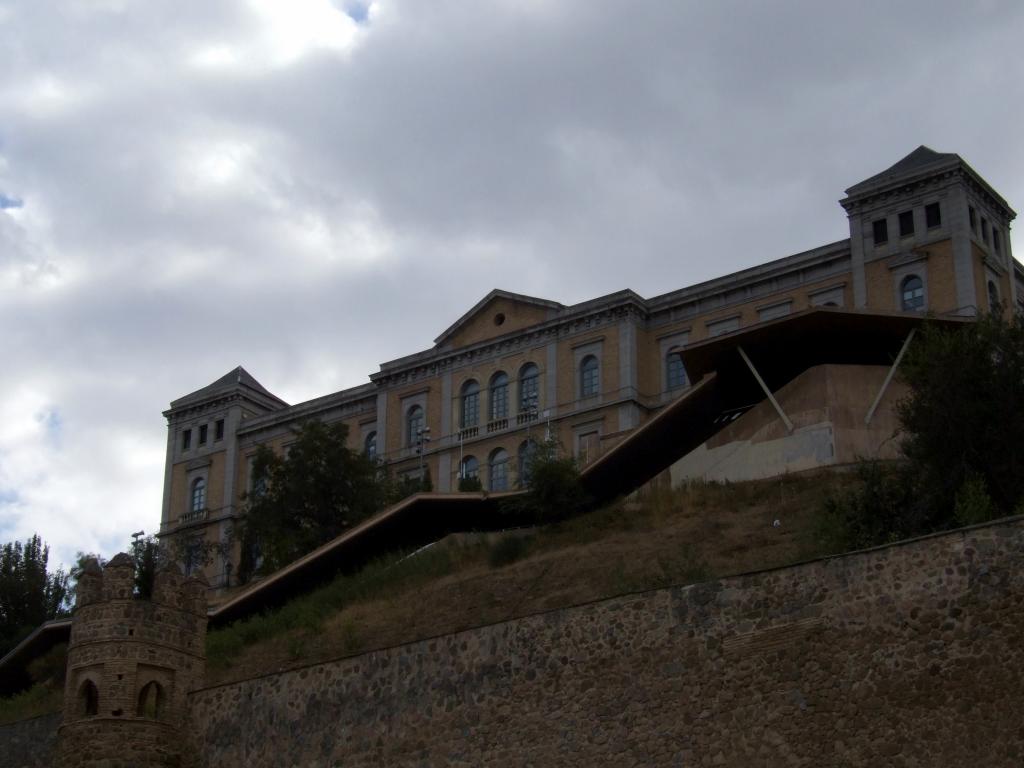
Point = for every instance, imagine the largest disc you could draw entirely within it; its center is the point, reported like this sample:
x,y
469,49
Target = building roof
x,y
238,378
920,164
921,159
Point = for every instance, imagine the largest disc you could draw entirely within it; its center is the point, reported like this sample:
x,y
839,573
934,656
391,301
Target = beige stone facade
x,y
926,235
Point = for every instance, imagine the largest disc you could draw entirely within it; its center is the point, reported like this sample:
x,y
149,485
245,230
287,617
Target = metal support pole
x,y
888,377
771,397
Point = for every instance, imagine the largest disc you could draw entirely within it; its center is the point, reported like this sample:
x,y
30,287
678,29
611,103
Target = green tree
x,y
29,594
148,556
553,487
962,438
963,421
306,497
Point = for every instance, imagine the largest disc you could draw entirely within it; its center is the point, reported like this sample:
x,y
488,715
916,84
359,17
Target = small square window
x,y
186,439
202,434
973,217
906,224
932,215
881,231
218,429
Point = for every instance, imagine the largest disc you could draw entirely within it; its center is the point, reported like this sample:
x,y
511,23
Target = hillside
x,y
661,537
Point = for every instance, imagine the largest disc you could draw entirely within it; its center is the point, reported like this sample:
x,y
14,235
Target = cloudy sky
x,y
308,188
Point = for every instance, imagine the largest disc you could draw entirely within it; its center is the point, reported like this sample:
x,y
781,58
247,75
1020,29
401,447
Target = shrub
x,y
973,504
873,513
553,488
507,550
470,484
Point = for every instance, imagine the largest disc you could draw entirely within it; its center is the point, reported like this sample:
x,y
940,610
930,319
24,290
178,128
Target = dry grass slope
x,y
661,537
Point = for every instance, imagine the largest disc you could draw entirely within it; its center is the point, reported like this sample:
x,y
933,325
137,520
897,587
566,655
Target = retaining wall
x,y
909,655
29,743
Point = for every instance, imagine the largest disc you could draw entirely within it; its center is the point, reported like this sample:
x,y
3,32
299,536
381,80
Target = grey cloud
x,y
562,149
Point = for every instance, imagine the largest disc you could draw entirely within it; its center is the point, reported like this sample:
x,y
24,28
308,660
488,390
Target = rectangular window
x,y
984,229
906,224
186,439
973,217
202,434
831,297
995,239
588,447
776,310
881,231
723,326
932,215
218,429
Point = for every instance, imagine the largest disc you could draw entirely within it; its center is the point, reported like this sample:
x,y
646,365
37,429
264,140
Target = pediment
x,y
498,313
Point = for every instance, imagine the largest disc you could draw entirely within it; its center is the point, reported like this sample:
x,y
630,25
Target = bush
x,y
507,550
470,484
879,510
973,504
553,488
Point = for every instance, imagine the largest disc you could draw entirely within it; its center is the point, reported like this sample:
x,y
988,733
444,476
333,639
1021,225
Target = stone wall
x,y
909,655
29,743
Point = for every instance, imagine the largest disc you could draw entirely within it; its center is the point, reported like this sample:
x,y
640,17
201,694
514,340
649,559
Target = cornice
x,y
900,188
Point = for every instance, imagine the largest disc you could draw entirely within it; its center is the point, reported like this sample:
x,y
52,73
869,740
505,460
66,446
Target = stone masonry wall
x,y
909,655
29,743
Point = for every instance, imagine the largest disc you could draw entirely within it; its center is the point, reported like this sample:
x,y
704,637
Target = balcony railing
x,y
468,432
526,417
194,517
497,425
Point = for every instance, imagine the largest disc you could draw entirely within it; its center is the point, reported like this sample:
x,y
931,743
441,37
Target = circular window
x,y
499,318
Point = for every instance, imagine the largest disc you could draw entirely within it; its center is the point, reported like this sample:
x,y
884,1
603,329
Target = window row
x,y
905,222
151,700
204,433
498,467
983,231
498,396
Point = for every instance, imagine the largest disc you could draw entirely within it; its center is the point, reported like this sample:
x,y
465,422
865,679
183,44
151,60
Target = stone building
x,y
927,235
131,665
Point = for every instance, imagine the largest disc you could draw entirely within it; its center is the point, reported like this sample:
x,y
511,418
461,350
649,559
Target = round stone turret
x,y
131,665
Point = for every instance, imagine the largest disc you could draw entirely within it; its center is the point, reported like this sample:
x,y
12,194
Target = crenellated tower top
x,y
131,665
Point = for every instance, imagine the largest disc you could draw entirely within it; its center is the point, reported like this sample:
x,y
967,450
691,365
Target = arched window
x,y
198,494
499,396
526,453
993,295
590,377
498,470
413,425
529,388
912,294
470,404
151,701
675,372
88,699
370,446
470,467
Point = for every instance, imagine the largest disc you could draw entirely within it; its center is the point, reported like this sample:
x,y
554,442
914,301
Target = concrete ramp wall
x,y
827,405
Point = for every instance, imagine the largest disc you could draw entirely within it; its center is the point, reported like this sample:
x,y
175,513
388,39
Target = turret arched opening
x,y
151,701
